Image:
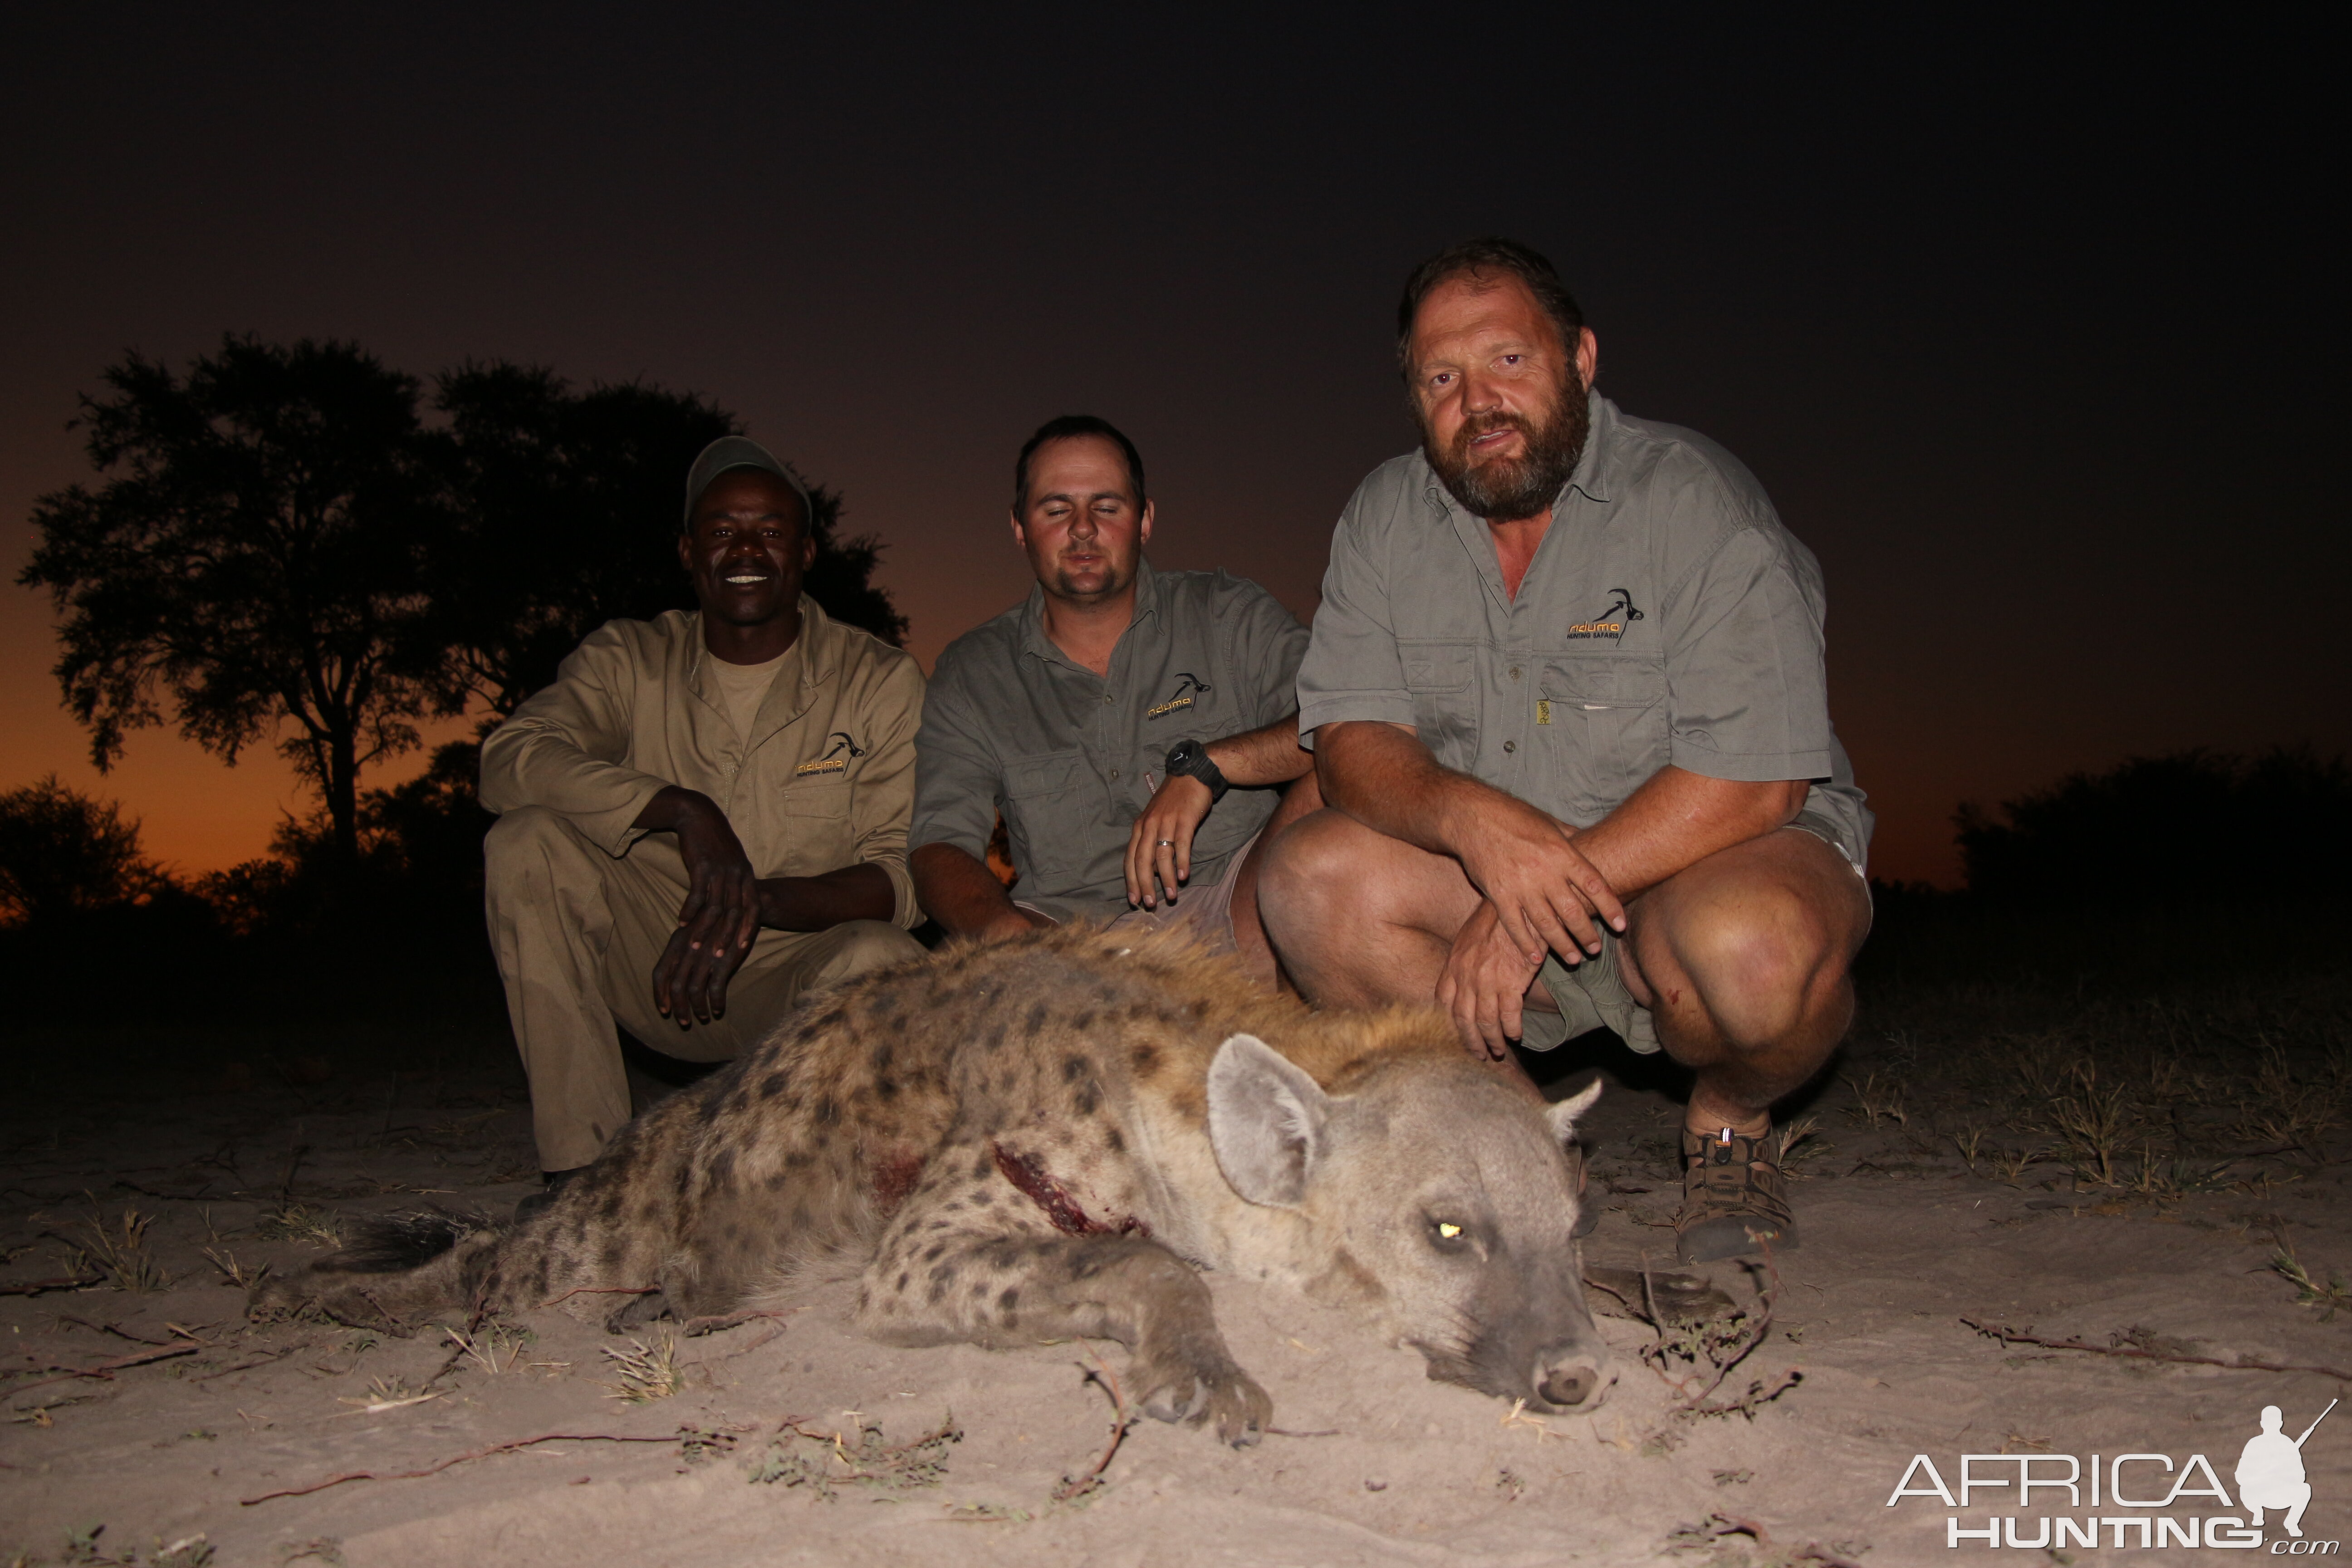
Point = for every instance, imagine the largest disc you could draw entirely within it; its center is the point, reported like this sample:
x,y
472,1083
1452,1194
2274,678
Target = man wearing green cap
x,y
704,816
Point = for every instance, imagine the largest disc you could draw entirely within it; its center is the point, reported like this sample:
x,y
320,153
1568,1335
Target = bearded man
x,y
1567,701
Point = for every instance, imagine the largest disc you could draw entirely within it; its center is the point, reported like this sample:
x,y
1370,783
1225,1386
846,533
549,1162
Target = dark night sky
x,y
2024,326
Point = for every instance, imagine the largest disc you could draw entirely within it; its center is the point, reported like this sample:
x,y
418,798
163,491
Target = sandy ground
x,y
1373,1464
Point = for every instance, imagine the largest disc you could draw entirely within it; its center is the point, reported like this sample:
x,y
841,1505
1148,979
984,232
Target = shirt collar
x,y
819,649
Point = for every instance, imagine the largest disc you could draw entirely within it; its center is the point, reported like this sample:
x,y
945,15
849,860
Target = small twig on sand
x,y
1754,1335
179,1333
264,1359
107,1369
695,1328
35,1287
483,1453
598,1290
1286,1432
2026,1336
1073,1488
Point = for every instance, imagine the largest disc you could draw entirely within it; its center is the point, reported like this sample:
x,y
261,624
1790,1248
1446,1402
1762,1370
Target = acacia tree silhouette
x,y
256,559
63,853
285,542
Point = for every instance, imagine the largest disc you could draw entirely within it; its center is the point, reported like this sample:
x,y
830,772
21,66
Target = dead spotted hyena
x,y
1043,1139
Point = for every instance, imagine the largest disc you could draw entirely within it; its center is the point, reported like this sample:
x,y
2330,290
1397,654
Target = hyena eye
x,y
1448,1229
1447,1235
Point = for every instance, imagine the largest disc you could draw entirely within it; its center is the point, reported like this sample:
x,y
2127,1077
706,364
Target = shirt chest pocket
x,y
1603,726
1045,810
1440,678
814,814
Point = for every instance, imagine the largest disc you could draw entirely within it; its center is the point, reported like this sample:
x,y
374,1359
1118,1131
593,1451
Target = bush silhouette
x,y
2199,826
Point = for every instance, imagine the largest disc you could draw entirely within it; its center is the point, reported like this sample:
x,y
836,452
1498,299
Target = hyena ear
x,y
1265,1121
1563,1116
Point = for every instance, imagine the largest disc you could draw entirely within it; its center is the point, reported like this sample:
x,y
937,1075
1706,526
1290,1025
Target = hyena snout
x,y
1573,1379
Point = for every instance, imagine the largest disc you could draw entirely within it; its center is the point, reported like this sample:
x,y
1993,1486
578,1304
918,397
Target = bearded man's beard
x,y
1504,489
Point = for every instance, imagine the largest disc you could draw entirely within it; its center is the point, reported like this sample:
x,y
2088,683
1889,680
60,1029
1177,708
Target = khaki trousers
x,y
577,933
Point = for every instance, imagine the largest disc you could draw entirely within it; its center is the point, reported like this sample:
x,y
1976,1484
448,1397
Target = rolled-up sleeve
x,y
1352,669
1750,693
886,783
562,749
956,780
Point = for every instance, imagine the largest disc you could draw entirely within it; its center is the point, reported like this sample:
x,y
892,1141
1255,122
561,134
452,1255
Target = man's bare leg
x,y
1741,957
1361,920
1742,960
1300,797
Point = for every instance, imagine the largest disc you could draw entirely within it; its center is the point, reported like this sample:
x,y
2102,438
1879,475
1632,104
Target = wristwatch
x,y
1190,759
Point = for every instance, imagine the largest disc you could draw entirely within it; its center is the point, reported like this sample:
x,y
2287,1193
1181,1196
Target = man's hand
x,y
1160,848
1538,885
1485,984
720,917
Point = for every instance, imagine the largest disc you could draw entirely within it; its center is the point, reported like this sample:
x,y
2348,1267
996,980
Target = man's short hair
x,y
1484,254
1062,430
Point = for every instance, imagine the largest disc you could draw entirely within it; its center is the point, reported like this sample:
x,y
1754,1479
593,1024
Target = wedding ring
x,y
1167,843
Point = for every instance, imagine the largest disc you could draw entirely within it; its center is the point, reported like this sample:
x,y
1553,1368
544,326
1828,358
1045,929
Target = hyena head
x,y
1434,1186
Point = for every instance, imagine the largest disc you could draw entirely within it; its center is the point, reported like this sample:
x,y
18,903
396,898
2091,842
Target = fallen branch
x,y
695,1328
1073,1487
2026,1336
1759,1393
107,1369
262,1360
483,1453
598,1290
35,1287
178,1335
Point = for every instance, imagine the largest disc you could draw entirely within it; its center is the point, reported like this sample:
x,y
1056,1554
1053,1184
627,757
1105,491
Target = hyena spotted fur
x,y
1045,1139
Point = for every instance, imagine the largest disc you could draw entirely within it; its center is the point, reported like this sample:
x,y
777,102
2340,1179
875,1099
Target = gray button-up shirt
x,y
1668,617
1012,724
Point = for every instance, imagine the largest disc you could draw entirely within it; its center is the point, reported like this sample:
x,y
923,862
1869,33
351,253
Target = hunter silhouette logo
x,y
836,756
2270,1472
1188,686
1611,622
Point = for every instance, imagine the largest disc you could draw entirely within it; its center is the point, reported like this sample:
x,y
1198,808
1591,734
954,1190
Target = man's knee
x,y
1764,961
524,845
1307,871
860,947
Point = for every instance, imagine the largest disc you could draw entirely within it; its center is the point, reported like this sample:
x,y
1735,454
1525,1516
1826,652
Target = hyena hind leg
x,y
1000,1288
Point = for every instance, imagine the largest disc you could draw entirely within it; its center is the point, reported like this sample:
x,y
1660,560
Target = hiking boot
x,y
1735,1199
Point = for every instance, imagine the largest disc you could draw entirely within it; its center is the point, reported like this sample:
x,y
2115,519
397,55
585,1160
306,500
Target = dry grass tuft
x,y
645,1372
292,1221
117,1252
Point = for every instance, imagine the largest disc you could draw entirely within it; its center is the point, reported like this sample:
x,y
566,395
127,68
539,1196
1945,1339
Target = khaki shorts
x,y
1207,912
1593,995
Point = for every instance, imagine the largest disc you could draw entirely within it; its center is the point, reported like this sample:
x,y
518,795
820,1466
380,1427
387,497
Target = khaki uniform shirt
x,y
1668,617
823,779
1071,758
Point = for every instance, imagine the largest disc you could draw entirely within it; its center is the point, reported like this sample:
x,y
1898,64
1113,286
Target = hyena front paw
x,y
1196,1383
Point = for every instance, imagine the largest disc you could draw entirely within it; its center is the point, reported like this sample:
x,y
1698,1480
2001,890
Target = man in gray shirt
x,y
1565,694
1105,718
